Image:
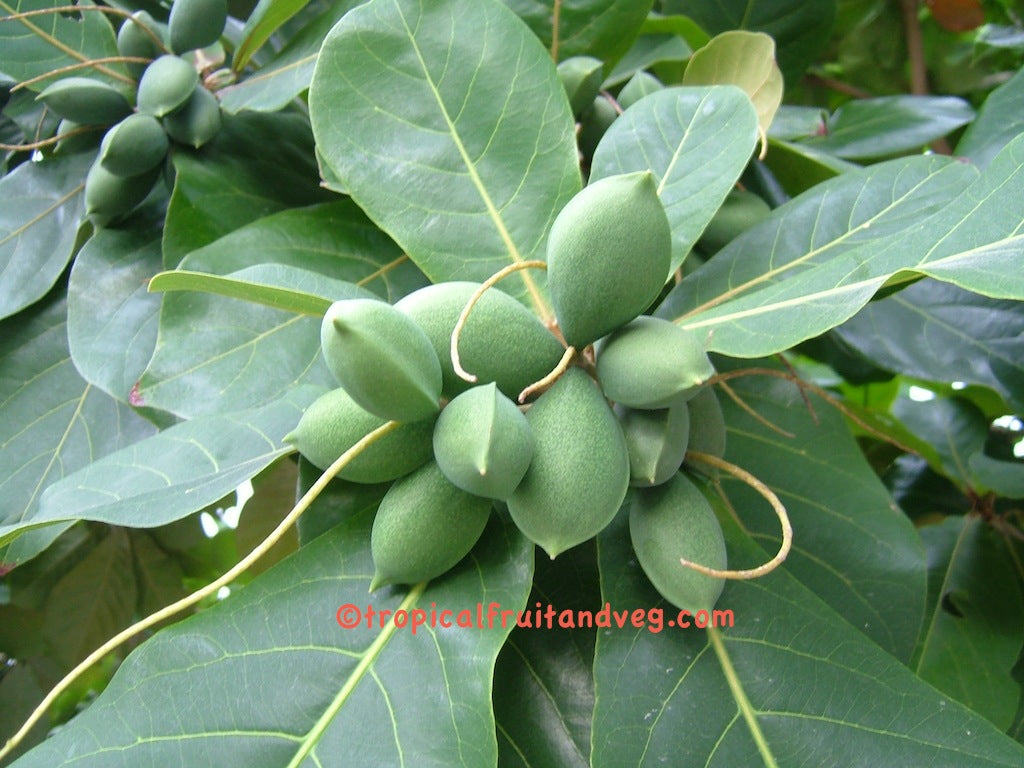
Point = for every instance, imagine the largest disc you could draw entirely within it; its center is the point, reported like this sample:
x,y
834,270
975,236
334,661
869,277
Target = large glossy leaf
x,y
599,28
998,123
40,204
175,472
264,19
973,634
939,332
696,141
269,678
460,103
955,429
803,271
790,680
52,422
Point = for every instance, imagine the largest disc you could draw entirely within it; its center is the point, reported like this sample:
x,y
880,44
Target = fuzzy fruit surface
x,y
423,527
133,40
707,424
197,122
135,145
334,422
109,196
483,443
382,359
652,363
608,256
196,23
657,442
85,101
674,521
580,470
166,85
502,341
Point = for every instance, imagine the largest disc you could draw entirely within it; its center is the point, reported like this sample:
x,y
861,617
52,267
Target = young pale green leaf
x,y
999,122
601,28
263,21
938,332
462,105
249,285
52,421
696,142
790,678
972,636
268,678
38,204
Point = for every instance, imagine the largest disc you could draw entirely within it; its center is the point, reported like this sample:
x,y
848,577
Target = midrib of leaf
x,y
740,696
42,214
535,296
365,663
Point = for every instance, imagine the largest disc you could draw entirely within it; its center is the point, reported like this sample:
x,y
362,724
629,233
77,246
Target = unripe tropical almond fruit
x,y
85,101
502,340
707,424
334,422
740,211
166,86
382,359
423,527
581,78
80,142
580,470
640,85
483,443
594,123
196,24
656,441
135,145
609,252
109,197
197,122
674,521
652,363
133,40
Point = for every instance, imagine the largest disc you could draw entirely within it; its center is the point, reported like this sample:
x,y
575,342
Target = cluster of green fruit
x,y
170,105
626,398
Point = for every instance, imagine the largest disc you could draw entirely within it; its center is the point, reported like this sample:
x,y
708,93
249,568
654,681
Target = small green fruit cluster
x,y
170,106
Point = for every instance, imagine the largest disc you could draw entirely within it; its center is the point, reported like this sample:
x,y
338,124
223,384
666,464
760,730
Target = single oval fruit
x,y
135,145
133,40
656,441
382,359
581,78
197,122
483,443
85,101
580,470
707,424
166,86
674,521
609,252
740,211
79,142
196,24
594,123
641,84
652,363
109,197
502,340
423,527
334,422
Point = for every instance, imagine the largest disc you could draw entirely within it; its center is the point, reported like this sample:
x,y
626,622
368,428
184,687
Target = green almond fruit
x,y
197,122
134,40
581,77
109,197
707,424
135,145
656,440
641,84
652,363
166,86
382,359
334,422
594,123
80,142
674,521
580,470
85,101
423,527
740,211
502,341
483,443
608,255
195,24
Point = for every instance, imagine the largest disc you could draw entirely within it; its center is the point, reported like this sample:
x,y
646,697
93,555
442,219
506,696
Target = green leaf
x,y
998,123
1005,478
799,167
249,285
338,501
973,635
890,125
955,428
273,496
942,333
175,472
463,105
38,203
159,576
790,679
263,21
696,141
600,28
268,678
52,422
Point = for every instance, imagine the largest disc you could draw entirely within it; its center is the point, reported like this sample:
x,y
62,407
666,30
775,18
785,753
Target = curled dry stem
x,y
80,8
771,498
200,594
551,378
47,142
477,294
